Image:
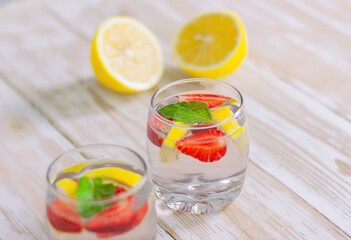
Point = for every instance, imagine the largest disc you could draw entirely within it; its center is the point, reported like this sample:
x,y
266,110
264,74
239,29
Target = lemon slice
x,y
121,175
76,168
126,56
69,186
232,128
168,153
210,45
175,134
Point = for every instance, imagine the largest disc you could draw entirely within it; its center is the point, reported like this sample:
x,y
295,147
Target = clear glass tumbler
x,y
197,166
100,192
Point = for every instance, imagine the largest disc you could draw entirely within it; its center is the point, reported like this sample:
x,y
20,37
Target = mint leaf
x,y
87,209
85,189
89,190
103,190
187,112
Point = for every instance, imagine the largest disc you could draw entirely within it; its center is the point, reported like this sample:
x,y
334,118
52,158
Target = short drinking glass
x,y
100,191
197,144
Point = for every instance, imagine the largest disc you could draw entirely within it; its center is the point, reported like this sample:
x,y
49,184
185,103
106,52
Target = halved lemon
x,y
126,56
211,45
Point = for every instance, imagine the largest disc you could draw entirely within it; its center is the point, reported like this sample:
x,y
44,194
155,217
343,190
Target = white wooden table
x,y
296,83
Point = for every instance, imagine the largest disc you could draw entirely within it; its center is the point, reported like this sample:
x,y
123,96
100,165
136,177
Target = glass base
x,y
195,204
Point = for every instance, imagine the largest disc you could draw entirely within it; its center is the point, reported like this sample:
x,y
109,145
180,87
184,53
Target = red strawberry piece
x,y
118,218
153,136
205,146
212,100
141,214
119,190
64,217
153,126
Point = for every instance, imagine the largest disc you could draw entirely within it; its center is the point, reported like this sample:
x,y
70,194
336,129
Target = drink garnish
x,y
212,100
206,146
64,217
232,128
92,189
68,185
187,112
117,218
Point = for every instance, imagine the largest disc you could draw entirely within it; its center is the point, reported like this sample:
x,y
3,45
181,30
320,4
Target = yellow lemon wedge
x,y
168,153
69,186
175,134
211,45
232,128
126,56
121,175
76,168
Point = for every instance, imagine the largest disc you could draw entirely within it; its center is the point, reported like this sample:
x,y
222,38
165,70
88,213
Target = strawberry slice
x,y
205,146
64,217
118,219
119,190
154,137
212,100
152,125
140,216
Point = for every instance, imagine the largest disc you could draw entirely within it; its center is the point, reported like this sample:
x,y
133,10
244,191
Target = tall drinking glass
x,y
198,154
100,192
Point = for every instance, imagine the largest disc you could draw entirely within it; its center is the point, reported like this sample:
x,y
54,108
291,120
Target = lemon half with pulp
x,y
211,45
126,56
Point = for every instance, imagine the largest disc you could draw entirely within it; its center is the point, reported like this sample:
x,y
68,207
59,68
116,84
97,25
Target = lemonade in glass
x,y
197,144
100,192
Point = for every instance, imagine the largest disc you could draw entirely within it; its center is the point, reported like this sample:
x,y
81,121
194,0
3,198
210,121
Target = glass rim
x,y
194,126
114,198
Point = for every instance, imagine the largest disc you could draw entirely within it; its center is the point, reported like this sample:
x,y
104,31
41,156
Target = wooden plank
x,y
302,50
77,105
28,143
333,13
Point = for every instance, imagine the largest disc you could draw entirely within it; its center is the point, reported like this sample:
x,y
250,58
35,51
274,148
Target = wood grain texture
x,y
307,155
28,143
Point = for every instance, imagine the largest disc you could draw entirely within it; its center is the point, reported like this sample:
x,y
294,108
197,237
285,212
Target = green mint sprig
x,y
92,189
187,112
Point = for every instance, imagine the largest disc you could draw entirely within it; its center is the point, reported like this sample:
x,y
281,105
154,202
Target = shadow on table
x,y
88,96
